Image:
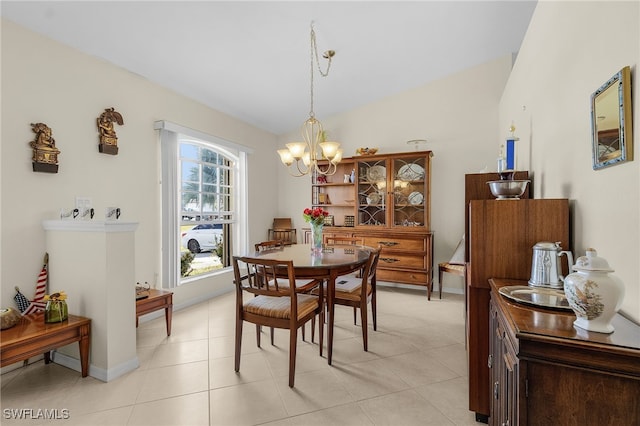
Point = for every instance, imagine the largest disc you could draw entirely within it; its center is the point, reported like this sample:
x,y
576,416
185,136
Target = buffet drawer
x,y
408,277
397,260
396,243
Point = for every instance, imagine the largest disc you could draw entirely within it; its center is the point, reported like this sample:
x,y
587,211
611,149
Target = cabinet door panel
x,y
606,399
394,191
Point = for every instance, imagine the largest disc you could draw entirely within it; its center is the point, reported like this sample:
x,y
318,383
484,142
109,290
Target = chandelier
x,y
307,154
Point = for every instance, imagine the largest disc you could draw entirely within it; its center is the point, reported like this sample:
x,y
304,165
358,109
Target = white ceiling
x,y
251,59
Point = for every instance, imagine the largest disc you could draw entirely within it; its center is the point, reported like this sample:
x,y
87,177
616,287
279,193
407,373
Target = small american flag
x,y
21,300
37,304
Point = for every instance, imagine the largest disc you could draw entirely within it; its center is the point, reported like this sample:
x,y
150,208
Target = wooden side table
x,y
158,299
32,337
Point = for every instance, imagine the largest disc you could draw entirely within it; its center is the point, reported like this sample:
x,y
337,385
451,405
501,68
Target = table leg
x,y
167,316
331,288
84,349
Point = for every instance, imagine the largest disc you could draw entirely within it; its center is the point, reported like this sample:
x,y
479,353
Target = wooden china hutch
x,y
385,200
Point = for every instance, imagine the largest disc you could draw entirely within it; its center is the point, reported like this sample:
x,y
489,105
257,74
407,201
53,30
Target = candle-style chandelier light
x,y
307,154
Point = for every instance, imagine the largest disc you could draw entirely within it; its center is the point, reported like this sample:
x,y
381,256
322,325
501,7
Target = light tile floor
x,y
414,373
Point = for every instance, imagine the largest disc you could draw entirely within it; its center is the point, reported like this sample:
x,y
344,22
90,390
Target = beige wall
x,y
457,115
44,81
570,49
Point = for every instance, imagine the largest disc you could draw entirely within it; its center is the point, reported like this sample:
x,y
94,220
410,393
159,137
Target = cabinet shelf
x,y
340,205
332,184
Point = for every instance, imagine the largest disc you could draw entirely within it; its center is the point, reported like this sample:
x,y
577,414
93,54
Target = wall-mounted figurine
x,y
45,153
108,139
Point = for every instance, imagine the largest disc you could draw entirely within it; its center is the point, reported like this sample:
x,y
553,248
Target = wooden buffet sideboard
x,y
545,371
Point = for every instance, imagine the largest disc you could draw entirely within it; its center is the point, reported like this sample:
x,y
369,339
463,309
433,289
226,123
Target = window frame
x,y
171,136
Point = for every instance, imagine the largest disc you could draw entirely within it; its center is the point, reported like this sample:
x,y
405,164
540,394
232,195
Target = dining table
x,y
327,264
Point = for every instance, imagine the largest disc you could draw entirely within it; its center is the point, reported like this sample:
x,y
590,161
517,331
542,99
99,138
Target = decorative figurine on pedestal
x,y
45,153
108,138
511,148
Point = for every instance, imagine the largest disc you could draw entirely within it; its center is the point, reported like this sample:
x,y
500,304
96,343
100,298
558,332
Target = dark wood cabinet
x,y
545,371
476,188
501,236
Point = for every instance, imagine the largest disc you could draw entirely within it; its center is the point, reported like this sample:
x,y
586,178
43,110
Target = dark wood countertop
x,y
535,323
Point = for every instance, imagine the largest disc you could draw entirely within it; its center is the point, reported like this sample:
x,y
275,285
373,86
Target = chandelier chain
x,y
314,55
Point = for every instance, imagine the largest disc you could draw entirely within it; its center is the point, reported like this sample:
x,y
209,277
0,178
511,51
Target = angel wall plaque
x,y
108,138
45,153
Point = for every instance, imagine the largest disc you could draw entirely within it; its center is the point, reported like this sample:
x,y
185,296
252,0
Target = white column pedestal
x,y
94,262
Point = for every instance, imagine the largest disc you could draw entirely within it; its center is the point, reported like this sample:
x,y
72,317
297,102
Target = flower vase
x,y
316,237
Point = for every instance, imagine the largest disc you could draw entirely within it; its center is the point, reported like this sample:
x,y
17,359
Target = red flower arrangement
x,y
315,216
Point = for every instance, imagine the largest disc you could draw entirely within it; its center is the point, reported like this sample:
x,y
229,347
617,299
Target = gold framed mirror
x,y
612,138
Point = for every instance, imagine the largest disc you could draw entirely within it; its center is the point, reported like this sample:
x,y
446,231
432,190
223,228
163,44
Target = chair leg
x,y
440,281
355,314
303,334
313,329
363,319
321,329
272,336
374,311
293,340
258,331
238,343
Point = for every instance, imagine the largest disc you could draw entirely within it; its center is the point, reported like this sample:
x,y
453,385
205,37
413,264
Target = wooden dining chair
x,y
337,240
282,229
300,283
272,304
456,266
358,292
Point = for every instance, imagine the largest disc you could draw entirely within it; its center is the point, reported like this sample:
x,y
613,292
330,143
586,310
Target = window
x,y
206,199
203,213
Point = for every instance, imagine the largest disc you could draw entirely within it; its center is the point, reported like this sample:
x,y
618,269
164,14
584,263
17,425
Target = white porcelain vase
x,y
594,294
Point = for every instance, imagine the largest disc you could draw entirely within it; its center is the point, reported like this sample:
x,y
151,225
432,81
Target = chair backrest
x,y
283,229
335,240
369,272
269,245
264,276
282,223
458,254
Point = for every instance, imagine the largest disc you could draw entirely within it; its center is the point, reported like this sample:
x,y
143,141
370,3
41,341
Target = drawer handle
x,y
389,260
388,243
496,389
490,361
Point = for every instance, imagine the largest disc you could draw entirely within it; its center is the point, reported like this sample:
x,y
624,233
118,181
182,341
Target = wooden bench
x,y
32,337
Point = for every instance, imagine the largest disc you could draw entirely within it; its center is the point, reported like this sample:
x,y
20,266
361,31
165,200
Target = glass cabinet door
x,y
372,192
409,194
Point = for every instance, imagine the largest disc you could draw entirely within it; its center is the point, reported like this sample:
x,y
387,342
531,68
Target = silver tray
x,y
537,296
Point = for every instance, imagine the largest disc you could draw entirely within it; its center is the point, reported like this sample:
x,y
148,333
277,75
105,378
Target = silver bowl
x,y
507,189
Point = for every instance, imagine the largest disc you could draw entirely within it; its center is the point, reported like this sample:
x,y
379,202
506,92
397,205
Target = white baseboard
x,y
451,290
96,372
